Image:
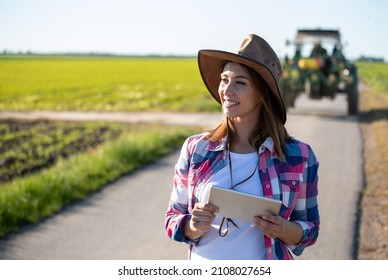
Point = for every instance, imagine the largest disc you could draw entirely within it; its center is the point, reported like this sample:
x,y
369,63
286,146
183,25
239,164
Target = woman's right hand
x,y
202,216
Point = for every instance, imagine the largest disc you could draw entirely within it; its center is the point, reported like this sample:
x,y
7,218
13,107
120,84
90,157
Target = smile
x,y
230,103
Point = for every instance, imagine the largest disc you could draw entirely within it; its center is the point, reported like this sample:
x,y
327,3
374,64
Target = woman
x,y
251,152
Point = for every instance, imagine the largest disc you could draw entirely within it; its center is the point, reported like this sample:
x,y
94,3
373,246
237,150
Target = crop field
x,y
29,146
102,84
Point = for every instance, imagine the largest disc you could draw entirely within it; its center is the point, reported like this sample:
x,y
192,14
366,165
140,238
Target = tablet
x,y
242,206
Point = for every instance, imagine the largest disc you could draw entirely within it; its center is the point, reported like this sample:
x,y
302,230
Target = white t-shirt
x,y
247,242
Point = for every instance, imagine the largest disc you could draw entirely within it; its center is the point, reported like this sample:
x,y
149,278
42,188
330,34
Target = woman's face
x,y
239,96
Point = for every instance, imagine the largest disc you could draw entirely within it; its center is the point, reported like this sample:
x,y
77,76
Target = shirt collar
x,y
268,144
221,145
217,146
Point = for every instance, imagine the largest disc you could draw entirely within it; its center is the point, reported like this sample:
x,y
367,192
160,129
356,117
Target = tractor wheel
x,y
308,88
288,94
313,91
289,97
352,93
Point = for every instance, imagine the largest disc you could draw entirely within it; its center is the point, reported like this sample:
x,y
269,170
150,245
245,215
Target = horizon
x,y
173,28
94,54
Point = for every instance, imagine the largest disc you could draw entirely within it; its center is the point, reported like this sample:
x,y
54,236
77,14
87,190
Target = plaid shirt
x,y
294,181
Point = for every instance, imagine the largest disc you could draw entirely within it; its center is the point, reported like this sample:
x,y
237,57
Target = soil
x,y
28,146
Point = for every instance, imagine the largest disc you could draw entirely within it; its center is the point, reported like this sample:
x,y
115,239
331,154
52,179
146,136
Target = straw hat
x,y
255,53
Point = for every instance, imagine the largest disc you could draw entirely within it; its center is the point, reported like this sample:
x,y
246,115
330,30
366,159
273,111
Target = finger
x,y
203,213
201,218
272,219
262,222
199,205
267,230
267,227
211,207
206,206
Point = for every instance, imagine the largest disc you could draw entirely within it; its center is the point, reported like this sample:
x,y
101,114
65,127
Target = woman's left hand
x,y
280,228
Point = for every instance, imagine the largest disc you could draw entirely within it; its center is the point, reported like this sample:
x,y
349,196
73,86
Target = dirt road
x,y
125,220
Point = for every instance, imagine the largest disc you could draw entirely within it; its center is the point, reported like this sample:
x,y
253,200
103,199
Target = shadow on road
x,y
333,109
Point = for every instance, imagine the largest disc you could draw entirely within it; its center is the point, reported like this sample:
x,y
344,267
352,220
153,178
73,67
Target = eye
x,y
224,80
239,82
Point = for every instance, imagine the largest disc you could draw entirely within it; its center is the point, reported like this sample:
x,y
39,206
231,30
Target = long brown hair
x,y
269,121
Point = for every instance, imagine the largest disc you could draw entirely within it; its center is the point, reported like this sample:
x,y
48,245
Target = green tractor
x,y
319,69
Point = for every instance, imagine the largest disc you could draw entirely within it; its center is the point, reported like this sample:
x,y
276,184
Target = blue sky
x,y
182,27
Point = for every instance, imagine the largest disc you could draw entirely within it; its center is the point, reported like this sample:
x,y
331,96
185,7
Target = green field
x,y
102,84
375,75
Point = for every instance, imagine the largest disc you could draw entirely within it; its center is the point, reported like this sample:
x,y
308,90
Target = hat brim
x,y
211,61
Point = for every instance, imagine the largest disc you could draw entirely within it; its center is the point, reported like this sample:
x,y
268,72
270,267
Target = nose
x,y
225,89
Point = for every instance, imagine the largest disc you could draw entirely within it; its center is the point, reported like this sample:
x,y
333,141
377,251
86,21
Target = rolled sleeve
x,y
308,216
177,214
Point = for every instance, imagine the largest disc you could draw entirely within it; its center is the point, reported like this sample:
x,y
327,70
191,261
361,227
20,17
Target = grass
x,y
29,199
373,242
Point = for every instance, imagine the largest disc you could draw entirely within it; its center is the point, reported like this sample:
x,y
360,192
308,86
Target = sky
x,y
182,27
